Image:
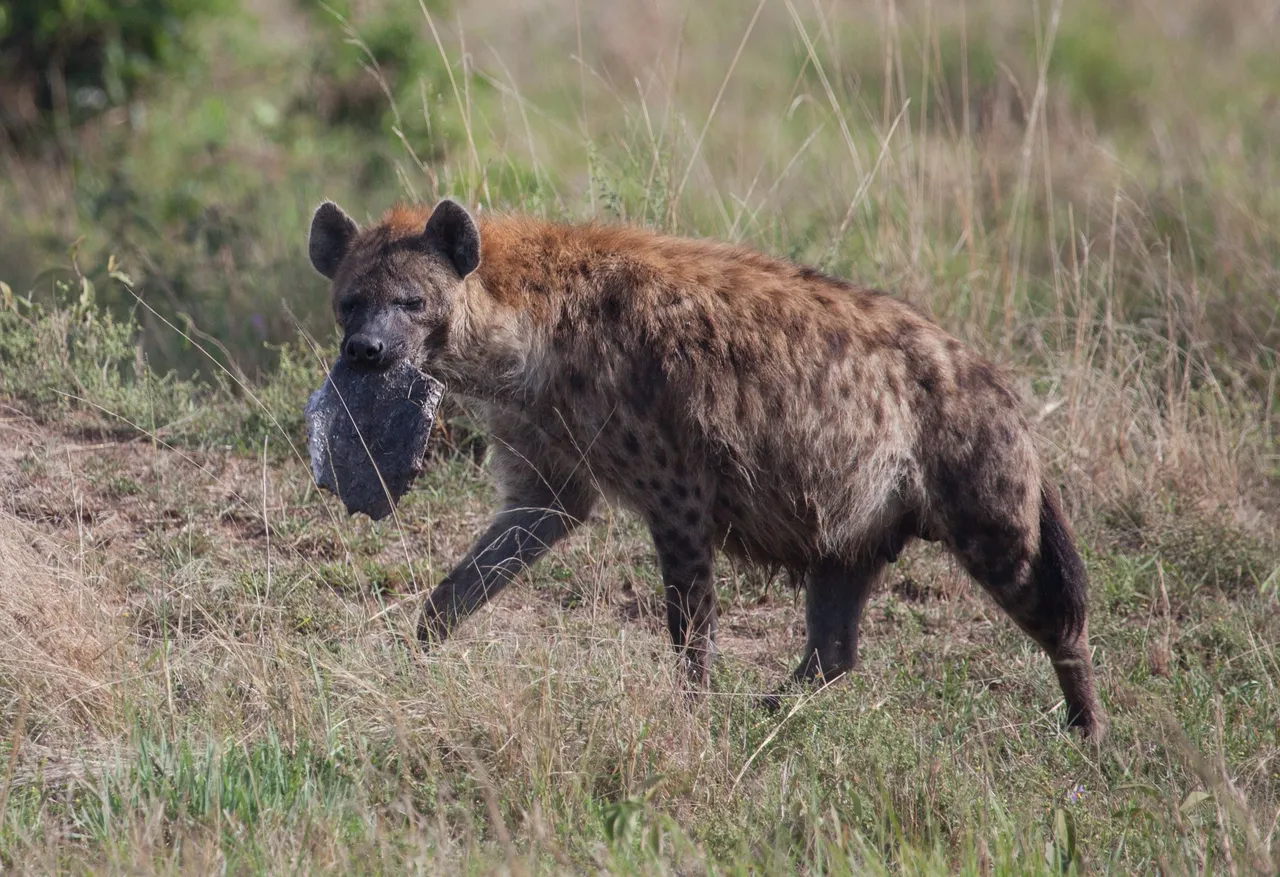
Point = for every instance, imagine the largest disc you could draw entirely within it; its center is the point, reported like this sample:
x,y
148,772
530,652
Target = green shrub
x,y
65,352
394,39
82,56
65,357
70,353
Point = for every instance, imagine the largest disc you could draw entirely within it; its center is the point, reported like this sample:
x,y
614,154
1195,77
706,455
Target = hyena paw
x,y
432,630
1091,725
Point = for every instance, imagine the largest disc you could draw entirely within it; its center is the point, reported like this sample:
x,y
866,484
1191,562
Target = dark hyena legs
x,y
685,556
836,592
835,595
1043,590
539,511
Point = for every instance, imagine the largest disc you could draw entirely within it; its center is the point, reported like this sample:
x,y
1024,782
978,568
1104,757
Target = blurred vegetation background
x,y
190,138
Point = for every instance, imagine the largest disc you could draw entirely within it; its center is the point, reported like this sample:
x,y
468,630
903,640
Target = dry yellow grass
x,y
57,638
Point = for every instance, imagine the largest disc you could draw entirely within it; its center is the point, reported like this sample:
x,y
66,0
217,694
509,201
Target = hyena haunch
x,y
731,400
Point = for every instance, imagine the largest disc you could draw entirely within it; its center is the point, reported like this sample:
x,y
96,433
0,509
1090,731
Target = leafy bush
x,y
66,353
82,56
70,353
393,40
64,356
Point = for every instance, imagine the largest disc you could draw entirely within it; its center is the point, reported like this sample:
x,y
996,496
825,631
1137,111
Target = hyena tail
x,y
1062,628
1058,571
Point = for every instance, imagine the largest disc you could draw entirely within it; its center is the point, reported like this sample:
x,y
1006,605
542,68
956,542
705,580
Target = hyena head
x,y
394,284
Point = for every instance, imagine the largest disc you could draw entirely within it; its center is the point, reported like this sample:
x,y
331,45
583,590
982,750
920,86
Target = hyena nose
x,y
364,350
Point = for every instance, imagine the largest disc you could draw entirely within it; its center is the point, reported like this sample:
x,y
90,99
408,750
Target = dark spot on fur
x,y
692,516
611,303
825,301
813,275
577,383
701,570
837,342
631,443
905,332
922,368
707,334
818,387
796,329
655,483
681,491
648,381
639,483
438,338
744,360
660,457
677,543
979,375
877,414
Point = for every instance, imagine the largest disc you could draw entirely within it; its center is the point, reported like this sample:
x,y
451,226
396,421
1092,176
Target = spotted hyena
x,y
730,399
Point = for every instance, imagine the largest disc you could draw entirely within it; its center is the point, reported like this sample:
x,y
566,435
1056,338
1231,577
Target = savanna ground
x,y
206,666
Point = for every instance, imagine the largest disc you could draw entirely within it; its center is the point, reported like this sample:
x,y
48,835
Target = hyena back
x,y
732,400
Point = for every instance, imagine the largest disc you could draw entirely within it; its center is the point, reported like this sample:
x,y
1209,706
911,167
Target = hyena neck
x,y
488,346
500,318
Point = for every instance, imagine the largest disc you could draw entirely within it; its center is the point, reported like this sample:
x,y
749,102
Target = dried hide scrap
x,y
367,434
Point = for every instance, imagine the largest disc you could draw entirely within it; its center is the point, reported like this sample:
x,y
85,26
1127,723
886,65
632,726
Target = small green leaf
x,y
1064,836
1148,790
1194,800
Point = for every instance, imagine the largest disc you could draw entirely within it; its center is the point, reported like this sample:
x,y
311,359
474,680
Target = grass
x,y
206,665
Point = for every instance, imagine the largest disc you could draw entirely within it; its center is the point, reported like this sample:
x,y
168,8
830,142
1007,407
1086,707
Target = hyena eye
x,y
346,307
413,305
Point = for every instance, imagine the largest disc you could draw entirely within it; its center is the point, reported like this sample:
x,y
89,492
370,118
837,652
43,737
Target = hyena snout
x,y
366,350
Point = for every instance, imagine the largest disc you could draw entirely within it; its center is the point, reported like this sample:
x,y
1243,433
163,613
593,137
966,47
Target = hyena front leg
x,y
534,517
685,558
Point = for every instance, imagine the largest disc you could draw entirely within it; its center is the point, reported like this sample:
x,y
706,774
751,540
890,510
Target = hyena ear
x,y
331,234
453,230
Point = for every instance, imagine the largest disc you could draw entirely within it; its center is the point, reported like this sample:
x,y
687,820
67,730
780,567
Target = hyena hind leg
x,y
1044,591
835,596
836,593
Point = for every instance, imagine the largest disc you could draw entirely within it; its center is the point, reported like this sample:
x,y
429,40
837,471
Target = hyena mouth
x,y
367,433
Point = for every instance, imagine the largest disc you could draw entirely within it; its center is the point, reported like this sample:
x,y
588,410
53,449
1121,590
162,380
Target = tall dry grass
x,y
59,638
